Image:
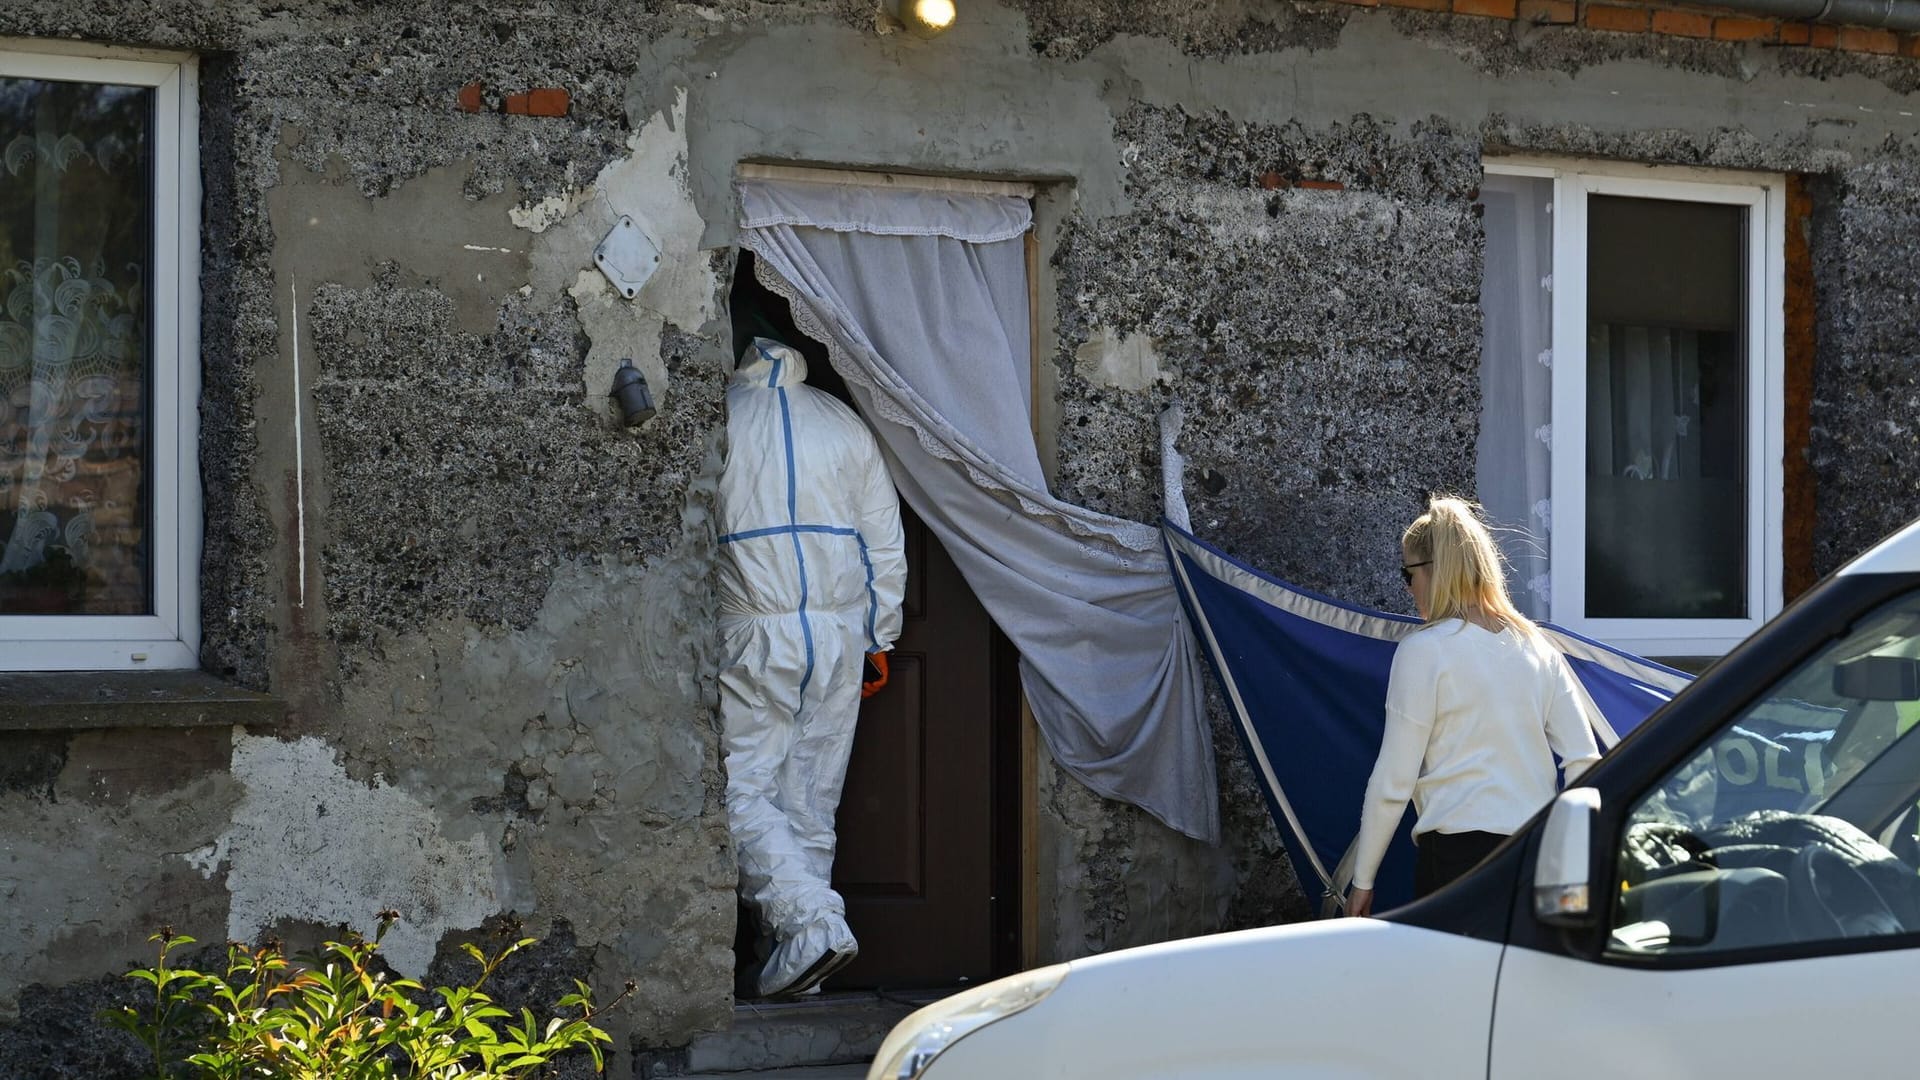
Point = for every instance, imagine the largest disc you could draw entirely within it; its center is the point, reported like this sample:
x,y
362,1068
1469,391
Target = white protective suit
x,y
812,571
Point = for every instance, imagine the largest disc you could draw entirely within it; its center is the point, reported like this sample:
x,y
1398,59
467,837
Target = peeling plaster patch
x,y
308,842
325,230
618,330
207,859
648,185
1121,361
536,217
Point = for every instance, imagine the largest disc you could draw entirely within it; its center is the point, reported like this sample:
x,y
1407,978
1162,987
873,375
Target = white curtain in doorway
x,y
921,299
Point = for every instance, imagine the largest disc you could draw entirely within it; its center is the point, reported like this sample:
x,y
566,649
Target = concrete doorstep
x,y
831,1038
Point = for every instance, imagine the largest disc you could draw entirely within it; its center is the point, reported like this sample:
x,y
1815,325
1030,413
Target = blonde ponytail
x,y
1466,570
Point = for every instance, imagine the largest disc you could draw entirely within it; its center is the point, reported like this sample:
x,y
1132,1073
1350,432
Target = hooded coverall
x,y
811,577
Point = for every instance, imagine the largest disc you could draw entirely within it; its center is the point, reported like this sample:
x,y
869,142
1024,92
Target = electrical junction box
x,y
627,256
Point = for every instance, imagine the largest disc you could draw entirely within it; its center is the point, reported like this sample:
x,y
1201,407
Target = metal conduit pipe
x,y
1890,14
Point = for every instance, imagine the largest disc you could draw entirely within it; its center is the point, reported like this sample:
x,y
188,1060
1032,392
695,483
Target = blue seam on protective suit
x,y
873,598
866,560
799,556
782,530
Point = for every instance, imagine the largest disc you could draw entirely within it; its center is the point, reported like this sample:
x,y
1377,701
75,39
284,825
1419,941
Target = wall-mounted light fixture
x,y
922,18
630,394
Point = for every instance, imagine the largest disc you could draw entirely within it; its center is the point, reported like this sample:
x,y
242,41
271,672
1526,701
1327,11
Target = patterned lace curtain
x,y
75,240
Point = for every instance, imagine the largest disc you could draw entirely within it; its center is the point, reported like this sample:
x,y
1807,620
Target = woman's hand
x,y
1360,902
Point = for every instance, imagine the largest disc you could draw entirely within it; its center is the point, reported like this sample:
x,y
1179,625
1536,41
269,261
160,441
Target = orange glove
x,y
876,674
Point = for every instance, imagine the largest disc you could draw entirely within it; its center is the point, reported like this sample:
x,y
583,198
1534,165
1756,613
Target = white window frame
x,y
1764,196
169,638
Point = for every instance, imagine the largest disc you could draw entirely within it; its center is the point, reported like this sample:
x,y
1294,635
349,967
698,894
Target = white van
x,y
1734,891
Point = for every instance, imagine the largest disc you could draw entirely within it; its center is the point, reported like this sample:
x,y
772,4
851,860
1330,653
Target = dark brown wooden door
x,y
916,824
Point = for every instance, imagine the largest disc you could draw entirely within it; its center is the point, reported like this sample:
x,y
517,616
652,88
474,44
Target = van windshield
x,y
1800,819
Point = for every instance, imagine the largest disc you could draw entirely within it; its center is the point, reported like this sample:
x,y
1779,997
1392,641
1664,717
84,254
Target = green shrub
x,y
338,1015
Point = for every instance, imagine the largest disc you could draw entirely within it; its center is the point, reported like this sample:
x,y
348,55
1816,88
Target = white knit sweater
x,y
1473,721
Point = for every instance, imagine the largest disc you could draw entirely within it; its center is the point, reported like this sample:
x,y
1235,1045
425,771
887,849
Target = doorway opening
x,y
930,824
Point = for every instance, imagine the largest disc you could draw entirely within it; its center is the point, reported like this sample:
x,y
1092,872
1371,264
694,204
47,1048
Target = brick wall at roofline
x,y
1719,24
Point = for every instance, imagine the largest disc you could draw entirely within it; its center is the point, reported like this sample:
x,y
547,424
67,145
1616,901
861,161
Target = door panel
x,y
1762,905
916,823
1560,1016
886,790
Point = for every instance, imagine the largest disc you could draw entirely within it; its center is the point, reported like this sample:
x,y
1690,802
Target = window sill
x,y
90,700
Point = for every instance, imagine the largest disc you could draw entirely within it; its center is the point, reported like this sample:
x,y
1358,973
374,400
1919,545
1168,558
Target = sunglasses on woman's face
x,y
1406,570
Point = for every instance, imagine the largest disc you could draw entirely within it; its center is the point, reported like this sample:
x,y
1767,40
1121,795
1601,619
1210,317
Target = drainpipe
x,y
1890,14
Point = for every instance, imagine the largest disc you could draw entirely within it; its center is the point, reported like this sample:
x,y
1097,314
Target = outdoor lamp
x,y
630,393
923,18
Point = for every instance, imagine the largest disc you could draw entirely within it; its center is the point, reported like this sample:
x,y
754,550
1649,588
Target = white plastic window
x,y
1633,375
99,355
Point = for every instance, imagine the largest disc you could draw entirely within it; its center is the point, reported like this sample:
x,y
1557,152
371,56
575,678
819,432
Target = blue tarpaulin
x,y
1306,679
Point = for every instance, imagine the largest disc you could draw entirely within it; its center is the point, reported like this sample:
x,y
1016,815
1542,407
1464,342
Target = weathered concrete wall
x,y
1866,406
105,841
497,616
487,604
489,607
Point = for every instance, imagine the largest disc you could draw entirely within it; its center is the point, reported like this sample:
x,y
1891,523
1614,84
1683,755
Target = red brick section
x,y
1623,19
1682,23
545,101
1824,37
470,97
1797,515
1795,33
1861,39
1547,11
1736,28
548,101
1497,9
1423,5
1910,46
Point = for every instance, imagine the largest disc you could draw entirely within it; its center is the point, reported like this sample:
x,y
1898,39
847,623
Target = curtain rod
x,y
906,181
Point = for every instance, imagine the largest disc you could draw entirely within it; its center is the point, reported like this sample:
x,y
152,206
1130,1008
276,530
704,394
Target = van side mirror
x,y
1562,893
1878,678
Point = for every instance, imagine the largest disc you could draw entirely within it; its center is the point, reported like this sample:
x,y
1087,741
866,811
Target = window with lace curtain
x,y
1632,375
99,504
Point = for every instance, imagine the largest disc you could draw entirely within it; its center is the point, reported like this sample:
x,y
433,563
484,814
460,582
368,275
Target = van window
x,y
1798,821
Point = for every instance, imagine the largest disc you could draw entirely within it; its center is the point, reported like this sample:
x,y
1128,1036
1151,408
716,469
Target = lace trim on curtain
x,y
881,210
993,236
1137,544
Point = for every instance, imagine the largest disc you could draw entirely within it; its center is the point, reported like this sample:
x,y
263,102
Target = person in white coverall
x,y
812,571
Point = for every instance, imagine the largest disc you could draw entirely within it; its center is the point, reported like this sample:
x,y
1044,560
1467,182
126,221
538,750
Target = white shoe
x,y
801,963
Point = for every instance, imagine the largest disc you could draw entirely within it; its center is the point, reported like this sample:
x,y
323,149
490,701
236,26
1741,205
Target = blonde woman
x,y
1478,704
